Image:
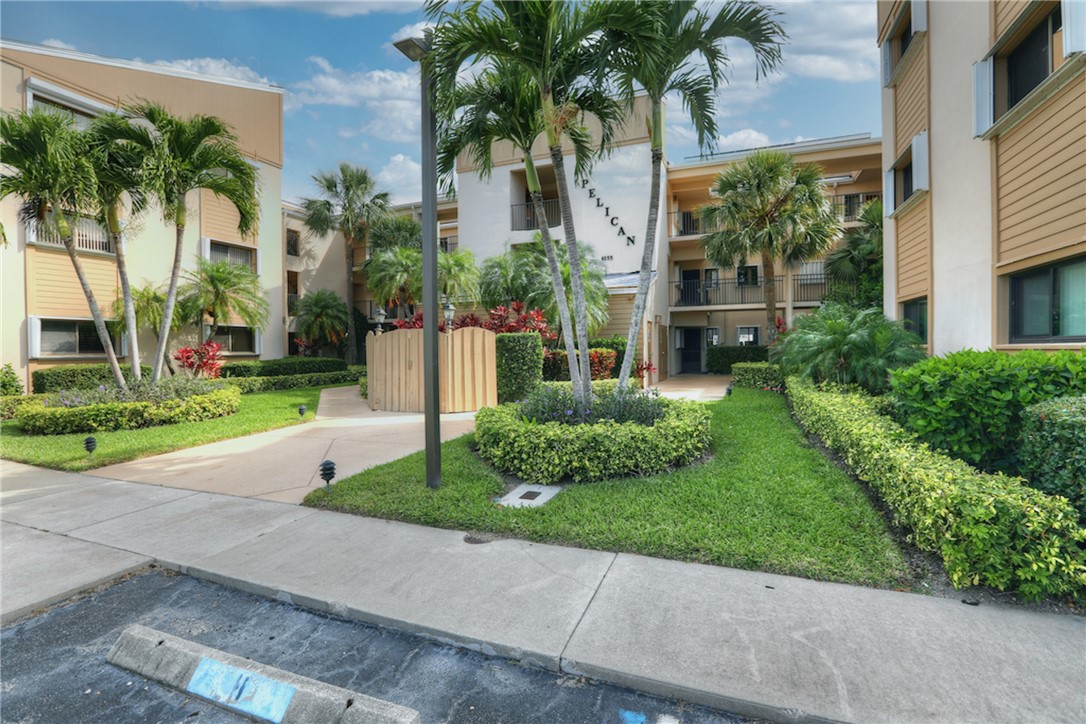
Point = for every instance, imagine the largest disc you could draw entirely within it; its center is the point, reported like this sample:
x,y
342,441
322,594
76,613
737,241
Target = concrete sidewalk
x,y
752,643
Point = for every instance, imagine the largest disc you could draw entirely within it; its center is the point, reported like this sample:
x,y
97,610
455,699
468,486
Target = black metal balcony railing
x,y
292,304
722,292
848,206
524,216
690,223
448,243
87,234
687,223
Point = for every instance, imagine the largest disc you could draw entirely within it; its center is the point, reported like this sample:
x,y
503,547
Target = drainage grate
x,y
530,495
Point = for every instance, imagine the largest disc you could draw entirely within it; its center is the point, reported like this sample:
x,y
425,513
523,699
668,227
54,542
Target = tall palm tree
x,y
669,64
597,304
855,267
47,165
395,277
321,316
350,204
117,171
220,290
183,155
767,207
558,45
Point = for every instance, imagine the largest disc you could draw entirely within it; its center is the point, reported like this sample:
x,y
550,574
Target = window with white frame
x,y
908,175
747,336
912,21
1028,56
65,338
712,336
242,255
237,339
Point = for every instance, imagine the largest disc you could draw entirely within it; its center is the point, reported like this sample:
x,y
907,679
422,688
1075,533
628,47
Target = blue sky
x,y
351,96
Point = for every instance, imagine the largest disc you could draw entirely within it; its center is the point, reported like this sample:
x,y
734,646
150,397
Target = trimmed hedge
x,y
282,367
1053,448
618,344
757,375
551,452
599,387
10,404
719,359
556,366
520,364
79,377
969,404
289,382
37,419
991,530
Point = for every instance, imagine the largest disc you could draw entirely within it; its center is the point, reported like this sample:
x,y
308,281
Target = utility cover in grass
x,y
529,496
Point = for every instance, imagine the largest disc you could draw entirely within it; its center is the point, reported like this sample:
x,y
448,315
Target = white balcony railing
x,y
87,234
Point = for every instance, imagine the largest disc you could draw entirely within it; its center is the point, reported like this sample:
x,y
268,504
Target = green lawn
x,y
259,411
766,501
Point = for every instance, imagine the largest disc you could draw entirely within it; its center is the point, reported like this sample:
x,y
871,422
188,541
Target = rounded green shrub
x,y
1053,448
757,375
550,452
79,377
10,384
41,419
519,361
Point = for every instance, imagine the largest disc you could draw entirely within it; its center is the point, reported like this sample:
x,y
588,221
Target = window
x,y
82,120
747,336
233,254
1034,58
293,241
238,340
712,336
1049,304
809,269
292,292
915,315
746,276
913,20
712,278
908,175
62,337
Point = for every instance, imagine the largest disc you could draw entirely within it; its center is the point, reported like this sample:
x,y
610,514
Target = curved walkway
x,y
281,465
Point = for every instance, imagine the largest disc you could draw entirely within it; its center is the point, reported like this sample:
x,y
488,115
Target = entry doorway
x,y
690,354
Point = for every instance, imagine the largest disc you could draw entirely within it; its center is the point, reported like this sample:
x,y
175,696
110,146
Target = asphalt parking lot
x,y
55,668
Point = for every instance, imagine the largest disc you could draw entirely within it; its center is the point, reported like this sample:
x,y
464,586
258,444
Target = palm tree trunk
x,y
769,280
576,277
401,308
126,297
556,272
171,292
96,312
348,242
638,314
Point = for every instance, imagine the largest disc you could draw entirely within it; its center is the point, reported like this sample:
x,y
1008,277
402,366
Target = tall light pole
x,y
416,49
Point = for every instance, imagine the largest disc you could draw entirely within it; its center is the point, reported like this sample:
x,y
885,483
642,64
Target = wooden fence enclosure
x,y
467,371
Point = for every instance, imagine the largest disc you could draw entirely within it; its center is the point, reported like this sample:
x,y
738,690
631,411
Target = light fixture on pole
x,y
449,311
380,314
416,49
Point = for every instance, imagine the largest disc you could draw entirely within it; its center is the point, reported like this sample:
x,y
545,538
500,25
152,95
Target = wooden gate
x,y
467,371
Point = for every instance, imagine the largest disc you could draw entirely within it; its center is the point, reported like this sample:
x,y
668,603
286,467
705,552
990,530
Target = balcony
x,y
292,304
87,234
523,216
690,223
448,243
687,223
848,206
721,293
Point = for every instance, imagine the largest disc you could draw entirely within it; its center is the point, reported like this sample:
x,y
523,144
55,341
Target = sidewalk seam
x,y
562,653
140,510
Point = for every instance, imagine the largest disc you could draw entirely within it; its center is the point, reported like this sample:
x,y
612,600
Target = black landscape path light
x,y
90,445
301,410
328,471
416,49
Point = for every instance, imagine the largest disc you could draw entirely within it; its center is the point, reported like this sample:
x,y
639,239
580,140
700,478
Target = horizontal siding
x,y
911,103
53,289
1006,12
1041,176
913,252
219,219
620,307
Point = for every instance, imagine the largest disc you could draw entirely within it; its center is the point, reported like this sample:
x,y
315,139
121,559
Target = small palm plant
x,y
222,290
321,316
855,267
845,345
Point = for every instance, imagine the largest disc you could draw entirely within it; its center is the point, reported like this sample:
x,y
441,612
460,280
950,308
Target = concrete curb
x,y
247,687
108,579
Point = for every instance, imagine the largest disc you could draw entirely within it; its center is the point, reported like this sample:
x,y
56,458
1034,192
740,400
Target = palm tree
x,y
684,34
148,303
350,204
321,316
558,46
117,172
391,231
395,277
855,267
767,207
457,275
51,171
220,290
183,155
514,276
597,307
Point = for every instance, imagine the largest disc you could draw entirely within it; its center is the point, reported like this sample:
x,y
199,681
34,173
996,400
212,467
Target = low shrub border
x,y
290,382
1053,448
37,419
79,377
719,358
989,529
282,367
551,452
757,375
10,404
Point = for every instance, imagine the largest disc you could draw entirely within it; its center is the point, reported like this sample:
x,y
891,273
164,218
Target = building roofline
x,y
137,65
807,146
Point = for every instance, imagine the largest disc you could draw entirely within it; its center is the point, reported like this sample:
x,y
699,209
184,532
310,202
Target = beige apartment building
x,y
984,156
45,319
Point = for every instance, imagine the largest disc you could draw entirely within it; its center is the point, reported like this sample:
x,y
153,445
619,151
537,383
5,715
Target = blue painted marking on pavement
x,y
242,690
632,717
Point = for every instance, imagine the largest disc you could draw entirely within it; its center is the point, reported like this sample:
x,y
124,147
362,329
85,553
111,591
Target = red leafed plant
x,y
500,320
202,361
642,367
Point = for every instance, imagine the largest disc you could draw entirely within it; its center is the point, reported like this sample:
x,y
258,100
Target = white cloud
x,y
335,8
54,43
741,140
831,40
336,87
414,30
220,67
402,178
